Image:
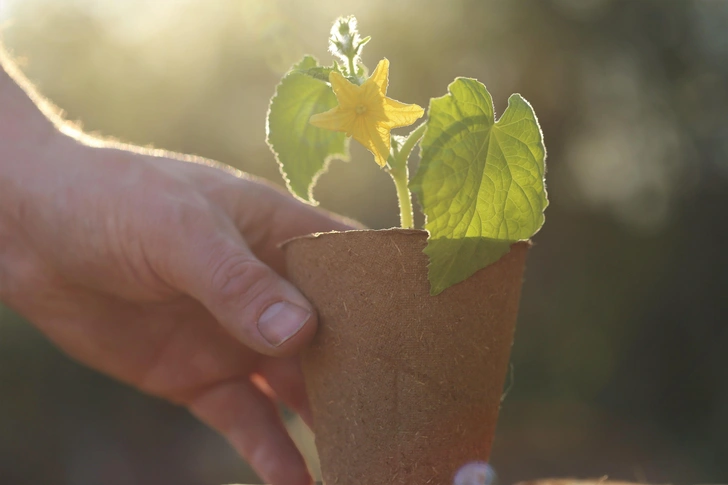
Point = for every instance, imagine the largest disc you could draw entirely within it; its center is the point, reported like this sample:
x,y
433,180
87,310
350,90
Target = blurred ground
x,y
620,362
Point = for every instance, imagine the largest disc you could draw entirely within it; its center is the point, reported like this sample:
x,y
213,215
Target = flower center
x,y
360,109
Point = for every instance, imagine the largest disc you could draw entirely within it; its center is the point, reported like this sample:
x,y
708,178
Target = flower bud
x,y
345,42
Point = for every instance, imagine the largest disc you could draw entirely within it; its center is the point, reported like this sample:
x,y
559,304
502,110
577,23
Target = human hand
x,y
166,275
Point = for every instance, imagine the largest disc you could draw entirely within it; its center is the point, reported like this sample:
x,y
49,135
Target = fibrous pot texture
x,y
405,387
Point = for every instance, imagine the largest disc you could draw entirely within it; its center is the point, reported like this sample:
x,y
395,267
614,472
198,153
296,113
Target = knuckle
x,y
166,223
186,212
239,279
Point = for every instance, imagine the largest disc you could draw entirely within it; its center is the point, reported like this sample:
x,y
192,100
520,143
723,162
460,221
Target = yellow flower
x,y
366,113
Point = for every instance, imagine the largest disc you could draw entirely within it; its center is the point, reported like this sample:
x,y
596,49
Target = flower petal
x,y
380,76
335,119
347,93
375,137
372,99
400,114
365,113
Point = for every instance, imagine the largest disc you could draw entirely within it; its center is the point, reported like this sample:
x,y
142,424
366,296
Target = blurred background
x,y
620,365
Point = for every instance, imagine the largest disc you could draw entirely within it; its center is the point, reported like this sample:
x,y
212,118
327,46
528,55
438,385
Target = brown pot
x,y
404,386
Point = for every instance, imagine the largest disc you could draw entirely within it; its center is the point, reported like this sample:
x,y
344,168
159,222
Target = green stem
x,y
352,69
399,172
406,215
409,145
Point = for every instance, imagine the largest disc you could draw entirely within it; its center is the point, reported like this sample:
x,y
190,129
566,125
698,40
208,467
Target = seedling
x,y
480,182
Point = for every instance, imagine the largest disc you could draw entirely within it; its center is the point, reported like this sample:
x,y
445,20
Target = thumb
x,y
253,302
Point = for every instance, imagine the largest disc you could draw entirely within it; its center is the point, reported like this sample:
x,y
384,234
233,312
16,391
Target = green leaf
x,y
480,183
319,72
302,150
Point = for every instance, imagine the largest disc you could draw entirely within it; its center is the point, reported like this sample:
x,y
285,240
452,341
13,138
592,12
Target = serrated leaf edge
x,y
344,157
416,187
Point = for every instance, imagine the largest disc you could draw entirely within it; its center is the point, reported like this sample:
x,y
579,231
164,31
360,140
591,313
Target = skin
x,y
155,269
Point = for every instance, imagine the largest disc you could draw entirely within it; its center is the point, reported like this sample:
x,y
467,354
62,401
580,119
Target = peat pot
x,y
404,386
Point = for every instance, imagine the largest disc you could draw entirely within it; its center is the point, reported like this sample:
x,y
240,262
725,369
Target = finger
x,y
251,423
212,263
278,217
296,218
253,199
285,379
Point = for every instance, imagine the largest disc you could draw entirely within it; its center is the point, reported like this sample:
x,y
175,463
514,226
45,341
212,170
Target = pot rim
x,y
414,232
317,235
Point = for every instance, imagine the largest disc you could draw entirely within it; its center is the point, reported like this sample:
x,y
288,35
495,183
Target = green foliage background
x,y
619,364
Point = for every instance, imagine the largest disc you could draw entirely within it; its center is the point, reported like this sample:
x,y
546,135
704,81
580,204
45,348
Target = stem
x,y
399,172
409,145
352,69
406,216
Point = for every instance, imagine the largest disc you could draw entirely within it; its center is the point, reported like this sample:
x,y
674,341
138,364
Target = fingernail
x,y
281,321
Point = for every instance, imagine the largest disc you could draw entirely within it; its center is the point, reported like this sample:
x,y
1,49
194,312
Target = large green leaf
x,y
302,150
480,183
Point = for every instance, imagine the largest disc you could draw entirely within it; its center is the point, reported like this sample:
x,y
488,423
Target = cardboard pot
x,y
405,387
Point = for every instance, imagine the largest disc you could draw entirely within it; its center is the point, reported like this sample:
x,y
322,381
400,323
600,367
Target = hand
x,y
165,274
